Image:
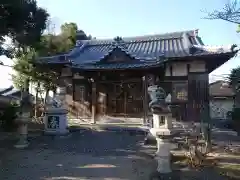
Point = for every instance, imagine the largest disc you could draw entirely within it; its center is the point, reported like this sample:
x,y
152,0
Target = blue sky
x,y
105,18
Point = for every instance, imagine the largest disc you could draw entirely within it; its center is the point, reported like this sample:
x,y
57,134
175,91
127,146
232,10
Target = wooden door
x,y
134,98
115,99
125,99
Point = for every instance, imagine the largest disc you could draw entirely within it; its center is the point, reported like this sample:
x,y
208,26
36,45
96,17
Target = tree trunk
x,y
54,92
45,100
46,96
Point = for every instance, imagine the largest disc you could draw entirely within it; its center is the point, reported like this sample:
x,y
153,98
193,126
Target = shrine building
x,y
110,77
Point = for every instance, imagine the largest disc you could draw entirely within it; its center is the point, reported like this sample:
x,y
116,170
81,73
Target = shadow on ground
x,y
219,171
92,154
49,165
92,142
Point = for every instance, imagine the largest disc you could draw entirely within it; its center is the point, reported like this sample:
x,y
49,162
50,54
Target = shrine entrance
x,y
124,98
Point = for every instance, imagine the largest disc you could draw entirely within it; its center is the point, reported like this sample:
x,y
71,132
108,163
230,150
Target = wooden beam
x,y
175,78
130,80
145,101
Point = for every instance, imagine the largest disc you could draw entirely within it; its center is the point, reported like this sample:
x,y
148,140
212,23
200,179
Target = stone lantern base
x,y
22,122
163,153
22,139
55,121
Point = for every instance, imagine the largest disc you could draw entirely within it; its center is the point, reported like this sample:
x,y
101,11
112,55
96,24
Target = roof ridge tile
x,y
148,47
142,38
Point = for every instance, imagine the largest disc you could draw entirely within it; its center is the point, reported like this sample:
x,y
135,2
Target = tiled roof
x,y
220,89
5,90
153,47
58,59
143,47
12,92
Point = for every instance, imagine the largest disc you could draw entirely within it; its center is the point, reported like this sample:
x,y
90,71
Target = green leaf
x,y
238,28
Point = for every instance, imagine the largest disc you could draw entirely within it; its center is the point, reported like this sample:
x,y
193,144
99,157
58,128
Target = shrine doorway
x,y
124,99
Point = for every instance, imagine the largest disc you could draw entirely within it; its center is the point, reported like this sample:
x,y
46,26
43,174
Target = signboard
x,y
53,122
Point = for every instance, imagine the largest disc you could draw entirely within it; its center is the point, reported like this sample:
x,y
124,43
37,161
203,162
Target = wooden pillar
x,y
145,101
198,94
94,100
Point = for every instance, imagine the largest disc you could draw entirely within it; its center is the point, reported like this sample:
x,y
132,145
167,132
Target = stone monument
x,y
162,127
56,114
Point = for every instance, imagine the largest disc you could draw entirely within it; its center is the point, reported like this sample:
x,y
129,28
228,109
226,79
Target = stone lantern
x,y
24,117
162,128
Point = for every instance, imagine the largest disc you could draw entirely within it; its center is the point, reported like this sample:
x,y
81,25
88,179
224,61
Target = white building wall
x,y
180,68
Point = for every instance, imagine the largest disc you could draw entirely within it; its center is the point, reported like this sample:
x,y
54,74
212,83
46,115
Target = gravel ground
x,y
95,154
91,155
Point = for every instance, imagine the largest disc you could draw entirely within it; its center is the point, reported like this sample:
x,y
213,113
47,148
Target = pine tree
x,y
23,21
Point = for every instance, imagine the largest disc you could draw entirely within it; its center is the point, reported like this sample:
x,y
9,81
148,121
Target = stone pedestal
x,y
163,155
56,121
164,147
22,122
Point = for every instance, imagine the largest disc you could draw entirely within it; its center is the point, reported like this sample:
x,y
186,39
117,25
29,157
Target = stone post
x,y
145,102
163,155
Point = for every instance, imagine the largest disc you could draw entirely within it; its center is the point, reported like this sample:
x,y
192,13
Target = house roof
x,y
11,93
7,95
220,89
145,48
5,90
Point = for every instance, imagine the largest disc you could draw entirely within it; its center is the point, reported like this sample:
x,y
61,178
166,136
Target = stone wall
x,y
220,107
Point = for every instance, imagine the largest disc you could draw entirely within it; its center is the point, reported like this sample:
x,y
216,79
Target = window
x,y
180,92
182,95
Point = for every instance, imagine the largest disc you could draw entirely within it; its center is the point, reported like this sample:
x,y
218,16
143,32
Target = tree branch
x,y
230,13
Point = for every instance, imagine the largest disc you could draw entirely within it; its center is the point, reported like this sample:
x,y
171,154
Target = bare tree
x,y
230,12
